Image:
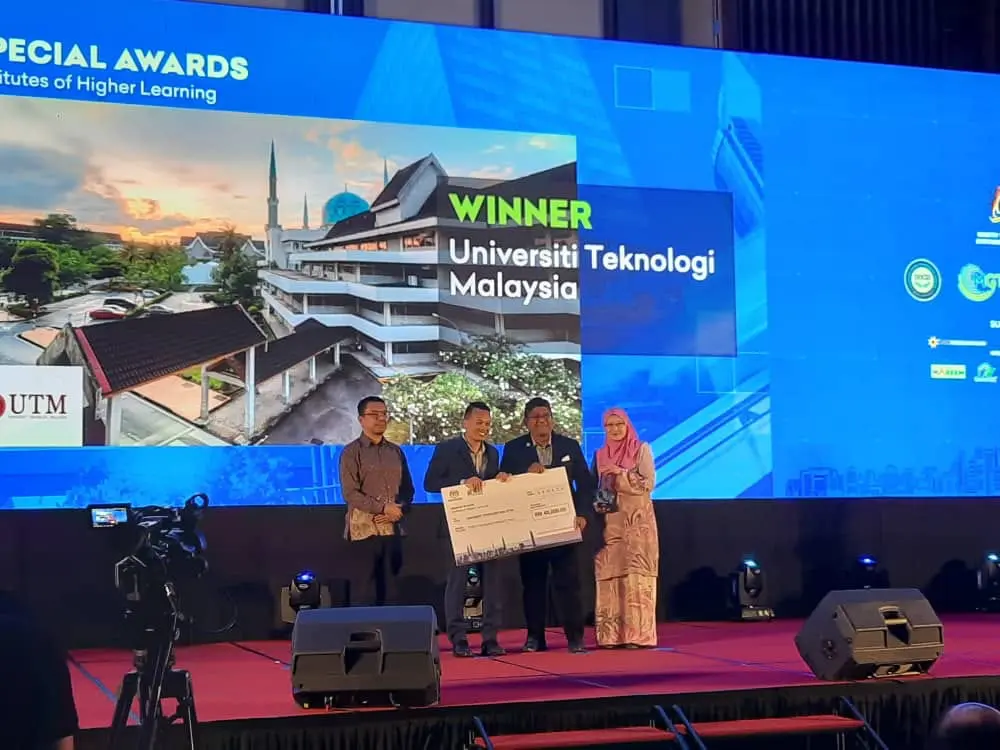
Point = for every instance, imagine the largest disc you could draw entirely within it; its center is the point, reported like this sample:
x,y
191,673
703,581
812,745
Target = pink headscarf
x,y
623,453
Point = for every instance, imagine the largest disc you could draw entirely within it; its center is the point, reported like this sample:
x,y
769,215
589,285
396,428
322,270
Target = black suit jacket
x,y
36,695
452,463
520,453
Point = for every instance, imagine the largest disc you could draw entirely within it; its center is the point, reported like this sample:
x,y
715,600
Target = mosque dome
x,y
343,206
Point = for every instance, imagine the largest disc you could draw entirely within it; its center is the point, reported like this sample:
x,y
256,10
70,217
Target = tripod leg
x,y
149,720
123,708
177,686
188,713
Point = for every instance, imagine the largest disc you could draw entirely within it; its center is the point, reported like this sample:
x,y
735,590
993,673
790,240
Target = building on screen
x,y
379,271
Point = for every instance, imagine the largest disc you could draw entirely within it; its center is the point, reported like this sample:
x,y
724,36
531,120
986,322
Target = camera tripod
x,y
152,680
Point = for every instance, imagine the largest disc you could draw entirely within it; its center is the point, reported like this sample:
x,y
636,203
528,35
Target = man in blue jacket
x,y
469,460
543,448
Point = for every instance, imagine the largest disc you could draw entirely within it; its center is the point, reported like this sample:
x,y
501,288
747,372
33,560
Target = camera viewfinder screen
x,y
104,517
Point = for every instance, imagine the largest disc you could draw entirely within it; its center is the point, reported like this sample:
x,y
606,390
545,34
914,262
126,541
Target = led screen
x,y
213,244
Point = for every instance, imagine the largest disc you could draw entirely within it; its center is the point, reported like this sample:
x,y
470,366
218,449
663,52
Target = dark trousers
x,y
565,567
375,565
454,602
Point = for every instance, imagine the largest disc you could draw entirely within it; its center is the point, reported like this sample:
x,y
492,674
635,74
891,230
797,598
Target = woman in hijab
x,y
627,565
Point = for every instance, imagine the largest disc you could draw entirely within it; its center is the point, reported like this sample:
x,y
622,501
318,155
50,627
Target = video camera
x,y
164,545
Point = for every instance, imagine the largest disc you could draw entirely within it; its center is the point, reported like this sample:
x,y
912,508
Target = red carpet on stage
x,y
251,680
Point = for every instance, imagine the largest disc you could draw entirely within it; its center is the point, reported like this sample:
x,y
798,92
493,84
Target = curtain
x,y
882,31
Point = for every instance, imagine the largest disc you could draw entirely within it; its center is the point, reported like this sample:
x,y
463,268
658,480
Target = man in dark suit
x,y
469,460
543,448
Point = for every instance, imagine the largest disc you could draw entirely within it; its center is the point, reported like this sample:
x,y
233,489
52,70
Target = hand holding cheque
x,y
508,516
476,484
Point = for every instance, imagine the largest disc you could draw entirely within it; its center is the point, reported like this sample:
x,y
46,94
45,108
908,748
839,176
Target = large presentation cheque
x,y
527,512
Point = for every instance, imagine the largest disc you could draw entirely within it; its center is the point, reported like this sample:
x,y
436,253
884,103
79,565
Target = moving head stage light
x,y
868,574
472,603
167,547
988,584
748,593
306,591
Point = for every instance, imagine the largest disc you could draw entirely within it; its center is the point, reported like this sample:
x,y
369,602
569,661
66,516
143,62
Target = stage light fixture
x,y
748,593
304,593
472,608
867,574
988,583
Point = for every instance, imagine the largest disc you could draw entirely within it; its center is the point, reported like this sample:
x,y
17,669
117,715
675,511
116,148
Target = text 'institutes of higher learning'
x,y
89,70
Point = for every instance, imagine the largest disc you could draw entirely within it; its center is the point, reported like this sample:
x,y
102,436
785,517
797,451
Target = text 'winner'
x,y
560,261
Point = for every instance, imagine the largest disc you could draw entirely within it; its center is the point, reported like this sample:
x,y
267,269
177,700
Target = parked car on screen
x,y
149,294
106,313
124,304
159,310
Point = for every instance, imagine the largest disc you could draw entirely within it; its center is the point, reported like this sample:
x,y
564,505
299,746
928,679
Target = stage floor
x,y
251,680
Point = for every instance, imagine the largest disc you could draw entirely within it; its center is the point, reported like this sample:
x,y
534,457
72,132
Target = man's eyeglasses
x,y
377,414
540,418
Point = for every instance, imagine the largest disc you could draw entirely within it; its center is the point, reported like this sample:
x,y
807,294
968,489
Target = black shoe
x,y
577,647
493,649
533,644
462,650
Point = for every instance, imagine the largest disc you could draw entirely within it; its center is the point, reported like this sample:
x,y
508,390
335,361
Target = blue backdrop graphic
x,y
657,273
823,378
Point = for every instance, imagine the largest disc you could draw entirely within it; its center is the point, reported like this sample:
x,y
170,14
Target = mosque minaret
x,y
272,191
281,242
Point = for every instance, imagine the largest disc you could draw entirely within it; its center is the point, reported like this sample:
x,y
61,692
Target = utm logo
x,y
33,406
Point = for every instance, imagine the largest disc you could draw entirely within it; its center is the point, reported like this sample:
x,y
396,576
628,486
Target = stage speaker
x,y
854,635
366,656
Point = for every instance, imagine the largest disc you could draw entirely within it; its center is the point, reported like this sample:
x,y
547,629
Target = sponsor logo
x,y
922,280
975,284
986,373
948,372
